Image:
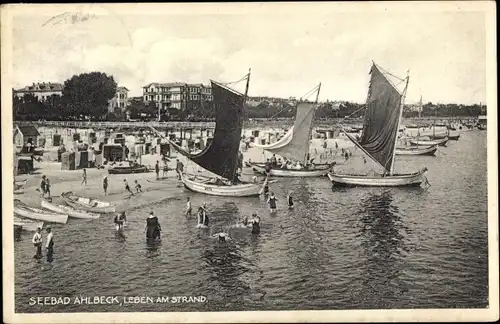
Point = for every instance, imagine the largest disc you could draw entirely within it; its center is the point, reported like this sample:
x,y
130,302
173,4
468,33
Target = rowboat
x,y
211,186
384,109
34,213
27,224
416,150
68,210
19,184
221,156
393,180
318,171
454,137
128,169
87,204
440,142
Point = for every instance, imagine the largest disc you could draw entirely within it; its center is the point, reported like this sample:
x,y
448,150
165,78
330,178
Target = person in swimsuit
x,y
188,207
37,242
105,185
290,200
127,187
202,216
272,202
120,220
153,227
255,224
157,170
138,186
42,186
47,186
266,188
222,237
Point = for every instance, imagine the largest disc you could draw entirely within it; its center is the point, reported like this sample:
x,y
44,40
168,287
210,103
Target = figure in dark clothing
x,y
153,227
157,170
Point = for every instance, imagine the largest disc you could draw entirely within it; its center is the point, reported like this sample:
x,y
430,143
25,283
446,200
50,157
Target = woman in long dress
x,y
153,227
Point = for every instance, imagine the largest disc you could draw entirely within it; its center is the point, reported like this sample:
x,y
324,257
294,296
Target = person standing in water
x,y
222,237
272,202
105,185
202,216
290,200
265,189
157,170
153,227
188,207
255,224
127,187
37,242
120,220
84,177
50,244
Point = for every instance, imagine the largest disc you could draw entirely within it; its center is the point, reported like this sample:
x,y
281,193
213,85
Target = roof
x,y
42,87
176,84
28,130
122,88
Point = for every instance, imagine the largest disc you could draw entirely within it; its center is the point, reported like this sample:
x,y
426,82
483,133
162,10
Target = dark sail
x,y
381,119
221,156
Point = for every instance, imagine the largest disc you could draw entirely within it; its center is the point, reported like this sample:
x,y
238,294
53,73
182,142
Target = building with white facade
x,y
120,101
42,91
176,94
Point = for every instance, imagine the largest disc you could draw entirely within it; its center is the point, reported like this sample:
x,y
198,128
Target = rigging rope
x,y
235,82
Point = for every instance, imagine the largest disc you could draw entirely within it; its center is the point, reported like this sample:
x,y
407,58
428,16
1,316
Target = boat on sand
x,y
39,214
128,169
416,150
27,224
87,204
63,209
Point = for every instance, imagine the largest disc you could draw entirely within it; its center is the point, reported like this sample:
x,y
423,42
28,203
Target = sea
x,y
338,249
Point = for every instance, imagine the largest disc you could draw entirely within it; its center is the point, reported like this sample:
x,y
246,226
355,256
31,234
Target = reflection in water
x,y
382,237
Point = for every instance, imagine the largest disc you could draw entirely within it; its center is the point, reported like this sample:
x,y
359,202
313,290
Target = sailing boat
x,y
294,145
380,131
220,157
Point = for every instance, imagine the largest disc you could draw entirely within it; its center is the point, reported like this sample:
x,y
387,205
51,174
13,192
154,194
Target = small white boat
x,y
320,172
394,180
19,184
34,213
416,150
88,204
209,186
441,142
27,224
68,210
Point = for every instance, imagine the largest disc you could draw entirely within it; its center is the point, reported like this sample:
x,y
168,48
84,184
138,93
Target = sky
x,y
289,47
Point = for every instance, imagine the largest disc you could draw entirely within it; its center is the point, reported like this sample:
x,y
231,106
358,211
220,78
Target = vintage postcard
x,y
249,162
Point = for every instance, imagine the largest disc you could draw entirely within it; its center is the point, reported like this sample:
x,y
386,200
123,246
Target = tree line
x,y
86,97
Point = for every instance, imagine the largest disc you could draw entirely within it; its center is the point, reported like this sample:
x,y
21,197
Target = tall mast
x,y
306,151
399,121
244,100
248,83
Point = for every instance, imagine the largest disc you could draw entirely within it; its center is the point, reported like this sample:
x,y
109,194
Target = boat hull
x,y
68,210
259,168
401,180
417,151
440,142
239,190
83,203
127,170
454,137
39,214
27,224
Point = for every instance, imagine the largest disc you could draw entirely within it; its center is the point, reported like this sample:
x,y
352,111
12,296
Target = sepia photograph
x,y
249,162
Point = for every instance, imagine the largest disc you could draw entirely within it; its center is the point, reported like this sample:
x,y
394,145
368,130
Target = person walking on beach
x,y
157,170
290,200
50,244
179,168
84,177
127,187
47,186
138,187
165,168
37,242
42,187
153,227
105,185
188,207
272,202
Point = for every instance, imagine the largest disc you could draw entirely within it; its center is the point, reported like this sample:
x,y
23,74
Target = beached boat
x,y
34,213
294,145
384,108
27,224
63,209
88,204
19,184
454,137
128,169
416,150
429,142
220,157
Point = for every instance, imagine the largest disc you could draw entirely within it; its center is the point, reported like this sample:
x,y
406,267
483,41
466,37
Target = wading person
x,y
37,242
84,177
272,203
153,227
290,200
188,207
127,187
255,224
50,244
138,186
202,217
222,236
157,170
105,185
120,220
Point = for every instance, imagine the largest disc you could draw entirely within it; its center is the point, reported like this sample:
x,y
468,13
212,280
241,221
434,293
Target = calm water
x,y
357,248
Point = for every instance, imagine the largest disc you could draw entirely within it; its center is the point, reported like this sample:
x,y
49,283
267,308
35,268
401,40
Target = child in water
x,y
255,224
272,202
188,207
120,220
